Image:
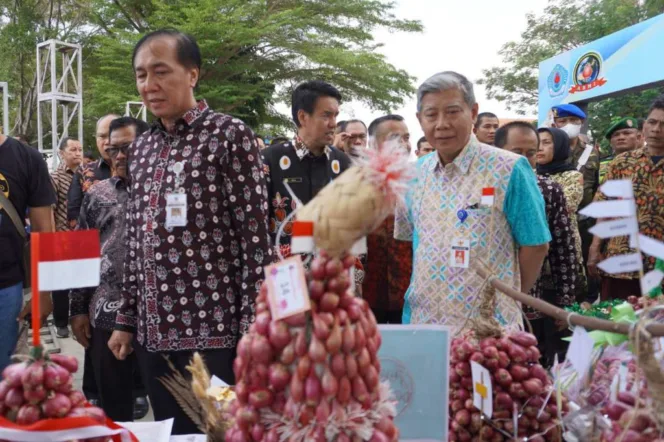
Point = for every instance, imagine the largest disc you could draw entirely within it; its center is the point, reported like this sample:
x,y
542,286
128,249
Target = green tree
x,y
564,25
255,51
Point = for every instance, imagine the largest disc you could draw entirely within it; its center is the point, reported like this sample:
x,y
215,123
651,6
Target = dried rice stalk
x,y
357,202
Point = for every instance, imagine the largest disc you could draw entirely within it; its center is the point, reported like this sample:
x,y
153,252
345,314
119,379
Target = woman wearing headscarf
x,y
552,155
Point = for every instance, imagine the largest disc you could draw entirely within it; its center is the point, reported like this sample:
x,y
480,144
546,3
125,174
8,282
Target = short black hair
x,y
373,127
140,125
420,141
657,104
188,52
307,94
341,127
484,115
89,155
279,140
503,132
65,141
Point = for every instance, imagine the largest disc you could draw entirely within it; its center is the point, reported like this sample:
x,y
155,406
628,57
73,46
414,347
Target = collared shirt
x,y
389,264
85,177
194,287
557,281
590,172
440,293
62,179
103,209
648,184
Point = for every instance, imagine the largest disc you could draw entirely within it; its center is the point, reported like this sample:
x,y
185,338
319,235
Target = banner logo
x,y
557,81
587,73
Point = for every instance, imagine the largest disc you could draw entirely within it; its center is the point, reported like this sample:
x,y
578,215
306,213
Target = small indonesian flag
x,y
302,240
67,260
487,196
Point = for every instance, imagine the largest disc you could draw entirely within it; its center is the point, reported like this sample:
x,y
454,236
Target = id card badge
x,y
460,253
176,210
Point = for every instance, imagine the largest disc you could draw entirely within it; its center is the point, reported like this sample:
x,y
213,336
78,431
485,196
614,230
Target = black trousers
x,y
60,307
154,366
114,378
549,340
384,316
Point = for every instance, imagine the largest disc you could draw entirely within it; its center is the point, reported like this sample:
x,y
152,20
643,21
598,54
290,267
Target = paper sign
x,y
618,227
583,159
189,438
609,209
651,246
150,431
415,360
287,288
618,189
360,247
217,382
482,389
622,264
651,280
580,351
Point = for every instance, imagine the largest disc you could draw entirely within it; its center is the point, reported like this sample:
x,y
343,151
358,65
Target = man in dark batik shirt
x,y
306,164
197,236
557,281
93,310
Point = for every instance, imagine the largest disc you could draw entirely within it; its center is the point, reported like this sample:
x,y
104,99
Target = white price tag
x,y
287,288
482,389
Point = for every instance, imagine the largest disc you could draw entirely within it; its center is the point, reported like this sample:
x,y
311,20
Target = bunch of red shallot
x,y
313,376
41,388
519,383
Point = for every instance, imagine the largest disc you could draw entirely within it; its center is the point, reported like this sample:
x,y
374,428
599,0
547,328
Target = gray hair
x,y
105,117
444,81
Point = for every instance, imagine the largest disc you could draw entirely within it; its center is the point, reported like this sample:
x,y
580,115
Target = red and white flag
x,y
488,194
66,260
302,240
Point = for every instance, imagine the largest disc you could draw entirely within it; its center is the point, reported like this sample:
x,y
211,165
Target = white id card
x,y
176,210
460,253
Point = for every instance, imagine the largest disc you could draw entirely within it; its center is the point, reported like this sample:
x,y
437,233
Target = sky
x,y
459,35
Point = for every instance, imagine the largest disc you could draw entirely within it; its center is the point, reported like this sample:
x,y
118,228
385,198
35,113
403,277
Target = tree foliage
x,y
565,25
254,51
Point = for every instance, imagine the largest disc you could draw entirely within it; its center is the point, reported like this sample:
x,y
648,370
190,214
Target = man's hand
x,y
45,307
80,326
120,344
594,257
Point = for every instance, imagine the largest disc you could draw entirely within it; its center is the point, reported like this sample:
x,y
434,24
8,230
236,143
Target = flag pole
x,y
34,275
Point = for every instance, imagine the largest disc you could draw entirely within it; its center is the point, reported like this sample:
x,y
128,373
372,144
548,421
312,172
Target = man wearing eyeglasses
x,y
352,137
93,310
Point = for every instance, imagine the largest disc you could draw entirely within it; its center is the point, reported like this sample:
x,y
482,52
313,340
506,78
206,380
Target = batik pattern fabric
x,y
590,172
648,185
86,176
194,287
62,179
389,266
440,293
557,281
103,209
571,182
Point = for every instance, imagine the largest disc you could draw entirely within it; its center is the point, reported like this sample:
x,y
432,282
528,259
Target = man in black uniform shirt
x,y
309,162
25,182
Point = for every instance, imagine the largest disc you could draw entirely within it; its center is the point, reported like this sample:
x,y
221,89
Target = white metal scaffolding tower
x,y
136,109
60,85
5,108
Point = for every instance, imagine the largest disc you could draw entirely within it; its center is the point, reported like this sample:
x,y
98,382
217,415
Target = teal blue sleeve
x,y
524,207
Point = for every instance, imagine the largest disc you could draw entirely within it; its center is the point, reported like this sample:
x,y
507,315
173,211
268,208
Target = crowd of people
x,y
191,208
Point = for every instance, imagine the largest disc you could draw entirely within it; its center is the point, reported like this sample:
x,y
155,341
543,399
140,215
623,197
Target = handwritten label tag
x,y
482,389
287,288
580,351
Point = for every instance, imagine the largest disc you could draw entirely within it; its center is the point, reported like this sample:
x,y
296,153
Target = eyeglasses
x,y
113,151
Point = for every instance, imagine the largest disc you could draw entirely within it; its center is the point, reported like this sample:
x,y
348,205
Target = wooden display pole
x,y
656,330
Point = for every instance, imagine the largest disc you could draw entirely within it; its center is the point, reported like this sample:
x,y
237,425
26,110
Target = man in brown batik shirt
x,y
190,278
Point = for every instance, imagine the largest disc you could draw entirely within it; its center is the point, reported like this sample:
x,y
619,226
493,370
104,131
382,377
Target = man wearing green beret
x,y
623,135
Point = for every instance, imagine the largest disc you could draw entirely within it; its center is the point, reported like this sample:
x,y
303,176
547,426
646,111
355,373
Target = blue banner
x,y
627,59
415,361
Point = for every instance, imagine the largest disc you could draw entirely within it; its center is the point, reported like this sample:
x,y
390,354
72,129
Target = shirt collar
x,y
117,182
191,118
302,151
463,160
